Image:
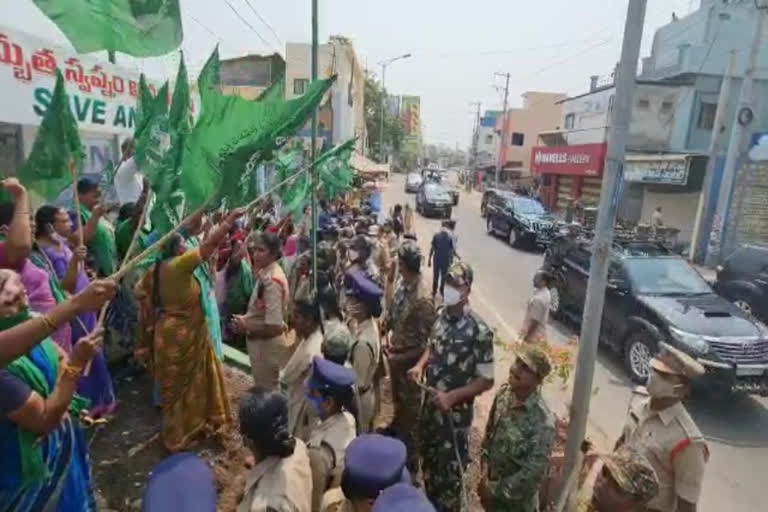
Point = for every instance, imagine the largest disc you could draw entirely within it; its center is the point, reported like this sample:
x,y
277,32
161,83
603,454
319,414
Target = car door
x,y
507,214
493,211
577,263
617,303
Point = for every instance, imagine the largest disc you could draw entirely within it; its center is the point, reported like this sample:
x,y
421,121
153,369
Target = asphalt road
x,y
736,429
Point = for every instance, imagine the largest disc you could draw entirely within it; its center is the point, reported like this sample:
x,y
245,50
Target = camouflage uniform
x,y
516,449
461,351
410,318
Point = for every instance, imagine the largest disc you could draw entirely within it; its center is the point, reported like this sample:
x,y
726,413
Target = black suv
x,y
743,279
655,296
519,219
433,199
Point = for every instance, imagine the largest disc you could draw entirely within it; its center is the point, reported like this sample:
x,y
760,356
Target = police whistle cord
x,y
447,414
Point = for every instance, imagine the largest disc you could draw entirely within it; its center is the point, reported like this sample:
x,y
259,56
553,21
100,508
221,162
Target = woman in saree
x,y
98,234
45,456
175,343
65,267
15,252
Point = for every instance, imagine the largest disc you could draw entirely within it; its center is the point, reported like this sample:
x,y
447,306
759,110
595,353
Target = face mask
x,y
353,255
659,387
451,296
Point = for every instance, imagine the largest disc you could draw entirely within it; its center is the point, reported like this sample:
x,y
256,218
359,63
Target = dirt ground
x,y
120,475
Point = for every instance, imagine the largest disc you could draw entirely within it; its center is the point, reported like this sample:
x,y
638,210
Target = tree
x,y
393,129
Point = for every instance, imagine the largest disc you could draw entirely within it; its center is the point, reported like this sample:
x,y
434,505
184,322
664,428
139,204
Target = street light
x,y
384,65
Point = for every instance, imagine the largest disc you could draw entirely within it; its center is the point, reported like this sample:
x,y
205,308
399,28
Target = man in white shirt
x,y
537,312
128,179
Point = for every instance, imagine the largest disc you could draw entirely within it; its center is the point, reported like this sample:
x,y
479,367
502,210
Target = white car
x,y
412,182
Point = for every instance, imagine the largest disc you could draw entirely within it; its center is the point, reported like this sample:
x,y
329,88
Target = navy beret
x,y
327,375
182,481
374,462
359,285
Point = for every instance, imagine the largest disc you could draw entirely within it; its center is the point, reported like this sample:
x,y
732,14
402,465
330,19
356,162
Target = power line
x,y
247,23
264,22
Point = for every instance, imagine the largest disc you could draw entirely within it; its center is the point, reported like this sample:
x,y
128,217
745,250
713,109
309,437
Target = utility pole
x,y
475,136
606,217
502,149
313,150
716,147
737,145
383,106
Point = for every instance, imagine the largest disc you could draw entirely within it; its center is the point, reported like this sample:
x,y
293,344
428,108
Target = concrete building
x,y
540,111
250,75
342,116
488,139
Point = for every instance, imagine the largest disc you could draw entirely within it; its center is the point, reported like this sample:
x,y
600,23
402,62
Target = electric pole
x,y
601,252
740,134
475,136
502,149
716,147
313,151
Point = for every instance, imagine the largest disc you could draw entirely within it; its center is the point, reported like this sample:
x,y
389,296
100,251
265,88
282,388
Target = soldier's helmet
x,y
633,473
337,342
460,274
410,254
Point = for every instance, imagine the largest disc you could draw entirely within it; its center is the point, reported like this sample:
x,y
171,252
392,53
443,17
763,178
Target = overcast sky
x,y
457,45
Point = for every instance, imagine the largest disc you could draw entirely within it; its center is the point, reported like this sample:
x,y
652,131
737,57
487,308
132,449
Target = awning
x,y
366,166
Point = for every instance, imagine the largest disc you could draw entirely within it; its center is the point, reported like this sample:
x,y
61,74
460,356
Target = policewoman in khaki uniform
x,y
331,393
659,428
364,307
281,478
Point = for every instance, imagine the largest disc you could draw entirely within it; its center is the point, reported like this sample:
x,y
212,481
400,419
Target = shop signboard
x,y
576,160
102,95
661,171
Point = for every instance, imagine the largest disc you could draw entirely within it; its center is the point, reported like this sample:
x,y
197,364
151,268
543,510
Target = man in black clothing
x,y
441,255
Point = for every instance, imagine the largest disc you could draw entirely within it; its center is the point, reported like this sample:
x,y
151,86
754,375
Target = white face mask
x,y
353,255
659,387
451,296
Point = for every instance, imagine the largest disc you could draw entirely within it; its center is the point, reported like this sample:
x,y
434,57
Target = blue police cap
x,y
359,285
402,498
327,375
183,481
374,462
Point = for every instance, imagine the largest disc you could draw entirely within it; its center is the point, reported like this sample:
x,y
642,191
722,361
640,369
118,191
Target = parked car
x,y
743,279
655,296
433,199
522,220
412,182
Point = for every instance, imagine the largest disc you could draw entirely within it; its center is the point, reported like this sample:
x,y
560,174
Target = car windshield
x,y
434,191
665,276
527,206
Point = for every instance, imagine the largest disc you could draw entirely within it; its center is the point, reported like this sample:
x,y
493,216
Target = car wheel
x,y
638,352
556,302
513,237
744,303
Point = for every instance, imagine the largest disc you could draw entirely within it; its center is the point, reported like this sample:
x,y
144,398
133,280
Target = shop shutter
x,y
590,191
565,188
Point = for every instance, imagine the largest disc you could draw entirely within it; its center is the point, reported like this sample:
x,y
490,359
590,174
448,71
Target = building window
x,y
666,107
643,104
489,139
570,121
706,116
300,85
518,139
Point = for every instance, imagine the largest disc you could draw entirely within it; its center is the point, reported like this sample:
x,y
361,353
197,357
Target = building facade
x,y
342,115
487,139
251,75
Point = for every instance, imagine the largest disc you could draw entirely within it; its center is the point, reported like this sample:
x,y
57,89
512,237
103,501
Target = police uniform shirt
x,y
327,444
674,446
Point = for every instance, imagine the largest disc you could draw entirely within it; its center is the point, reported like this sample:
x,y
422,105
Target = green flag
x,y
163,172
210,78
153,139
234,136
142,28
334,170
144,107
57,146
276,91
108,175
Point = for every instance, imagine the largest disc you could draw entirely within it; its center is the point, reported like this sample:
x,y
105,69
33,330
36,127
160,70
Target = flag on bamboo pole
x,y
163,171
144,107
334,170
276,91
142,28
57,145
209,80
233,137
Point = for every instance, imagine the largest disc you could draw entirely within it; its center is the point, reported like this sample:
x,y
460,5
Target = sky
x,y
457,45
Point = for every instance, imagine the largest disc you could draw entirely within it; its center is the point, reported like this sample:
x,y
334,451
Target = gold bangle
x,y
72,371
